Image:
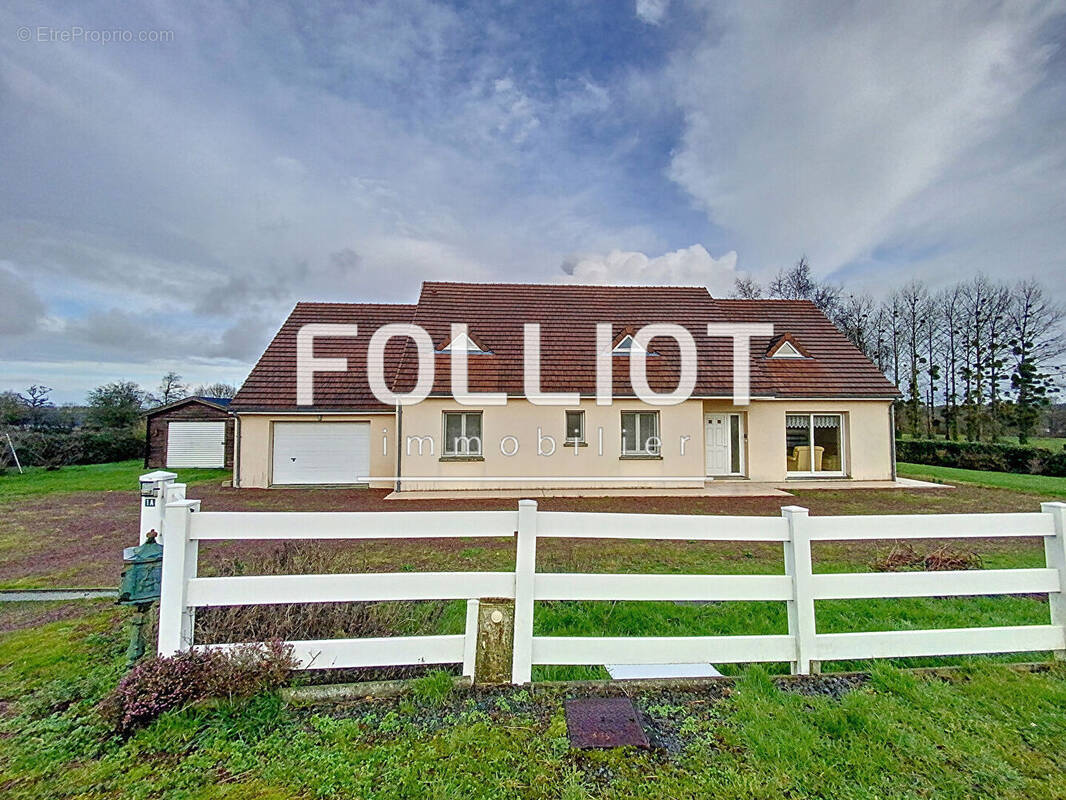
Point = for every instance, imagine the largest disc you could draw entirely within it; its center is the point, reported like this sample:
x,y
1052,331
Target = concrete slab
x,y
634,672
720,488
713,489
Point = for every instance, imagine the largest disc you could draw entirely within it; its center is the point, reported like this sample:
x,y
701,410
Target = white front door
x,y
716,439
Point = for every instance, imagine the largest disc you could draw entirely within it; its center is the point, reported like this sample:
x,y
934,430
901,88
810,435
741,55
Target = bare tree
x,y
951,341
223,390
1036,345
746,288
171,388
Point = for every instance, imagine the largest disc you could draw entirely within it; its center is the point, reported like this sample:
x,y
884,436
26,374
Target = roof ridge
x,y
568,285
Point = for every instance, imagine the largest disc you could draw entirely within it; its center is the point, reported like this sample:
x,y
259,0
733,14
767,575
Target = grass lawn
x,y
119,476
1013,481
987,731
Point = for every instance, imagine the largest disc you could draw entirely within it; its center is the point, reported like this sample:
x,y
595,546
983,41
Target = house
x,y
818,407
191,432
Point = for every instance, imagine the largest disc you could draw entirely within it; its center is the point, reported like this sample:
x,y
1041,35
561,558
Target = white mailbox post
x,y
154,487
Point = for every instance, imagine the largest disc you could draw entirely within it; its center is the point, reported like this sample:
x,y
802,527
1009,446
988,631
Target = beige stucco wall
x,y
867,444
867,438
521,419
256,445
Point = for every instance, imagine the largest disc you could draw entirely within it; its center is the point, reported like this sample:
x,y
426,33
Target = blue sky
x,y
163,204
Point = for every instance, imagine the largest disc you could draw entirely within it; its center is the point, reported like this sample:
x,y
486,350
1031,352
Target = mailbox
x,y
143,572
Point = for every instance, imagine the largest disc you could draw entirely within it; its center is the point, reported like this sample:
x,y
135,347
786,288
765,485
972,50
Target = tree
x,y
36,401
12,409
116,405
225,390
1036,341
171,388
799,283
746,289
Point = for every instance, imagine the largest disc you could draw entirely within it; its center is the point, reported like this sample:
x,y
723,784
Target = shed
x,y
191,432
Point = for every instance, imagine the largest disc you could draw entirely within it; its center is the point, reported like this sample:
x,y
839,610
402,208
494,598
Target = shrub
x,y
985,456
54,449
163,684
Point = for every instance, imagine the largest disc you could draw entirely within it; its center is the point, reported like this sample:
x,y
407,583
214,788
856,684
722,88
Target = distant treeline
x,y
977,360
109,427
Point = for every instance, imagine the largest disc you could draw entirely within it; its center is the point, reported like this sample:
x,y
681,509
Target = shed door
x,y
321,452
196,444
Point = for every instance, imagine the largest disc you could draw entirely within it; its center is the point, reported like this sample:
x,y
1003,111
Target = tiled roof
x,y
495,314
272,382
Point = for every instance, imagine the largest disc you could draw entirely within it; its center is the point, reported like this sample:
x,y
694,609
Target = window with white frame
x,y
627,345
640,433
462,433
575,427
814,443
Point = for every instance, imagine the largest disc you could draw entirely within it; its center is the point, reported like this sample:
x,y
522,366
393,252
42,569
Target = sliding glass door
x,y
814,444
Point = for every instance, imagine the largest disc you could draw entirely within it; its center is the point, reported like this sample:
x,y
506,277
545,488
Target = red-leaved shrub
x,y
162,684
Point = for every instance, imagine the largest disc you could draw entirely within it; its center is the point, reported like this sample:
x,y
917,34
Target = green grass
x,y
1034,484
118,476
986,732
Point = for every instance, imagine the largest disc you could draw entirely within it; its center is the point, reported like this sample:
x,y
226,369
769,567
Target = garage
x,y
196,444
321,453
194,432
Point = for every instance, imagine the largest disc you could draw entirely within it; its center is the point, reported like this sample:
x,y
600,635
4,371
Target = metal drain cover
x,y
604,722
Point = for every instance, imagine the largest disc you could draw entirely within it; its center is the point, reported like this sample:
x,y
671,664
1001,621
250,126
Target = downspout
x,y
236,451
892,434
399,445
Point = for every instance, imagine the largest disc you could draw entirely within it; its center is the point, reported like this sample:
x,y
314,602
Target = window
x,y
814,444
627,346
786,350
465,342
575,427
462,433
640,433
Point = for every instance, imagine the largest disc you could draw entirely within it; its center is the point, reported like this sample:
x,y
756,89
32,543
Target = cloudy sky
x,y
164,203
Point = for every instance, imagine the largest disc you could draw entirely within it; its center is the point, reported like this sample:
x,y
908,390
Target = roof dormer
x,y
465,341
785,346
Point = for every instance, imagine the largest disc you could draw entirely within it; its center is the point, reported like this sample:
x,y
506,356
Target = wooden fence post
x,y
798,566
1055,553
525,569
180,554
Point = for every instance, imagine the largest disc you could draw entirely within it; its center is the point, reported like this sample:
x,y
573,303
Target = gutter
x,y
236,451
399,447
892,435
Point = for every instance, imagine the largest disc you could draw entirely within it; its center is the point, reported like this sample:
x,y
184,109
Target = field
x,y
988,729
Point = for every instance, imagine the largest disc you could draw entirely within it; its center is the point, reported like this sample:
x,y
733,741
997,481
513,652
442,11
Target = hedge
x,y
82,446
982,456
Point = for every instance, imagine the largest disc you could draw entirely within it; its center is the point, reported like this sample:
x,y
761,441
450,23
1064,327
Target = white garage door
x,y
321,452
196,444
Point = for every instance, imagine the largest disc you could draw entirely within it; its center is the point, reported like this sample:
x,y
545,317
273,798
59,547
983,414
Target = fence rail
x,y
184,526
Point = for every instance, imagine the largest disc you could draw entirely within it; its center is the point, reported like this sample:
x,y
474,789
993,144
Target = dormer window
x,y
627,345
786,346
786,350
464,342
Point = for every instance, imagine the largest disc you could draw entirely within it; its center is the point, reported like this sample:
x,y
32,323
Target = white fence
x,y
799,587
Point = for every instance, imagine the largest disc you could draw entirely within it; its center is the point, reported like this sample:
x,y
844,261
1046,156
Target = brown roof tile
x,y
568,315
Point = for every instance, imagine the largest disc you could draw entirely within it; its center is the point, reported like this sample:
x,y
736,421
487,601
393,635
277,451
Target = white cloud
x,y
21,310
833,134
689,266
652,11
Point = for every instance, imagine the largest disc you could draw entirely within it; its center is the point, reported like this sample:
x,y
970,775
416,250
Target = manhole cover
x,y
604,722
